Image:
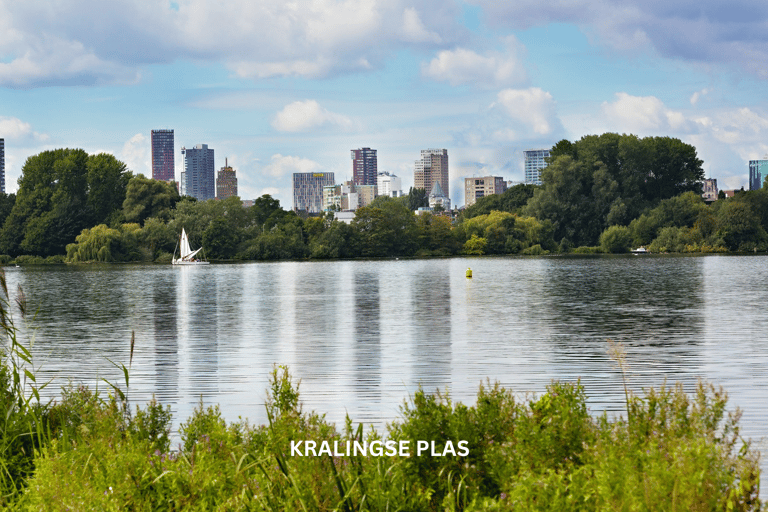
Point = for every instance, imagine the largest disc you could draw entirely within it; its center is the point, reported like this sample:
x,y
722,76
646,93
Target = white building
x,y
389,185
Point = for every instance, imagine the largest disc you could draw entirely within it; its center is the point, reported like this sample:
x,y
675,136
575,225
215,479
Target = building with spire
x,y
438,198
162,155
432,168
226,182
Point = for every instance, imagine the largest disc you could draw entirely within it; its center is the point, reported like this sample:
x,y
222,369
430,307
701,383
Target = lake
x,y
363,335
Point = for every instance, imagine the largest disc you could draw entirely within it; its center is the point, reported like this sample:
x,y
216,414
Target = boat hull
x,y
190,262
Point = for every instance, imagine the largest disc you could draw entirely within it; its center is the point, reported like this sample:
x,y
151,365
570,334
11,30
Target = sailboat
x,y
187,255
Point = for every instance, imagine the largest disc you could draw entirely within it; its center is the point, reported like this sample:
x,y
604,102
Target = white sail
x,y
186,256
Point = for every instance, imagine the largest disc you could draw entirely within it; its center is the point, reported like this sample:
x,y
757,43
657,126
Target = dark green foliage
x,y
62,192
616,239
146,198
611,179
416,198
387,231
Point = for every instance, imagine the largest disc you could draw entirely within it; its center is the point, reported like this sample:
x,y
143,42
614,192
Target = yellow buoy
x,y
469,273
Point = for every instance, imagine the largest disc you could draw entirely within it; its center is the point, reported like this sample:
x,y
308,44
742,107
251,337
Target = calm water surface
x,y
363,335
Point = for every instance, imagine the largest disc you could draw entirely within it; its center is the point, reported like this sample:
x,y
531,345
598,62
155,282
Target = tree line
x,y
602,193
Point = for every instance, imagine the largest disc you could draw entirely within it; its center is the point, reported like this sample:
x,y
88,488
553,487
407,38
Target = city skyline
x,y
294,86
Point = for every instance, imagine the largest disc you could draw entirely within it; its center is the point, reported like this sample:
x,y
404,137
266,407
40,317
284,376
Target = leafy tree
x,y
145,198
616,239
475,245
387,231
264,207
436,234
417,198
51,204
108,180
219,239
610,179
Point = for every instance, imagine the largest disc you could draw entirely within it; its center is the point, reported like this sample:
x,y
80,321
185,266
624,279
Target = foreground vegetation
x,y
87,451
606,193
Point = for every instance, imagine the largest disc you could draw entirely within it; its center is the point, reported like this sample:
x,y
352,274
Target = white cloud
x,y
82,42
530,110
643,115
14,129
414,30
708,31
281,165
696,96
462,66
302,116
136,155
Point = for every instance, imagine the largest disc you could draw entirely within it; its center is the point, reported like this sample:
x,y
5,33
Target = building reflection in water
x,y
163,290
367,341
431,326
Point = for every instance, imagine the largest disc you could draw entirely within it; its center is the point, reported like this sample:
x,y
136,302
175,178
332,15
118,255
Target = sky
x,y
284,86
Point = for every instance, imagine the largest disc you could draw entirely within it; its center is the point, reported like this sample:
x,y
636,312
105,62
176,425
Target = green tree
x,y
107,184
417,198
219,239
387,231
611,179
616,239
145,198
51,204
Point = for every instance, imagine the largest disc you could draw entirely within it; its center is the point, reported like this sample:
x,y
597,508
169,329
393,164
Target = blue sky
x,y
282,86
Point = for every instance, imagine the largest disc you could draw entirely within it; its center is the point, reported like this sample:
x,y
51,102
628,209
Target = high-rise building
x,y
163,155
308,190
431,169
534,163
2,166
364,166
388,185
475,188
198,178
226,182
758,170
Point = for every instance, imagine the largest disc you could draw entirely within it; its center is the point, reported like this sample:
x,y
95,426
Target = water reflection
x,y
367,342
363,334
164,306
431,326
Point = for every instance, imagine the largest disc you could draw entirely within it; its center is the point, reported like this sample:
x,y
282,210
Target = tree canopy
x,y
61,192
610,179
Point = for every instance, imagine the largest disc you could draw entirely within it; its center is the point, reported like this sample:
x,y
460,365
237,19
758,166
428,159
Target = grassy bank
x,y
87,451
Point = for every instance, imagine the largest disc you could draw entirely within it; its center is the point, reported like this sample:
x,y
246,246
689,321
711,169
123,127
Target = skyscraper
x,y
534,163
198,178
162,155
758,170
2,166
308,190
364,166
433,167
226,182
